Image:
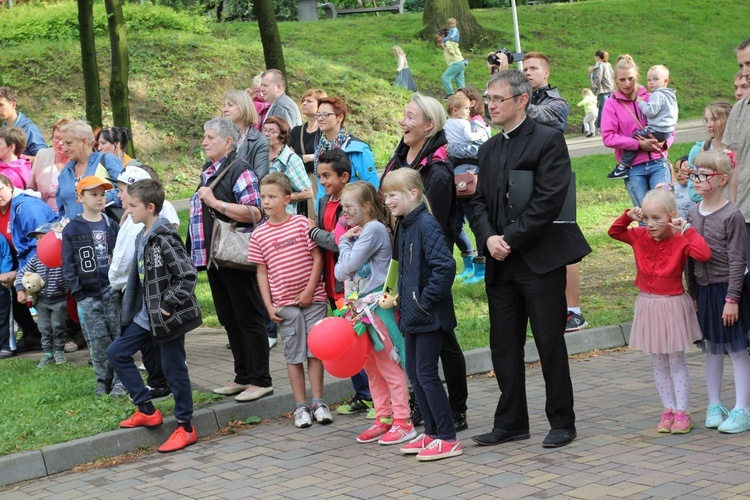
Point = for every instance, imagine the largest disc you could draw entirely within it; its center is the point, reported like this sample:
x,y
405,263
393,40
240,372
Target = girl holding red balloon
x,y
425,306
365,253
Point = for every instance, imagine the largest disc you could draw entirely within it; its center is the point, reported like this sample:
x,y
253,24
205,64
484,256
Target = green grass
x,y
56,404
178,76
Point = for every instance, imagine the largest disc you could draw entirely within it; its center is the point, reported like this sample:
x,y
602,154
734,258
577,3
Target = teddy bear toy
x,y
32,284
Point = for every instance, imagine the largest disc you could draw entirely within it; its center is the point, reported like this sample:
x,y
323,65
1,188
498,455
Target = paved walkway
x,y
618,454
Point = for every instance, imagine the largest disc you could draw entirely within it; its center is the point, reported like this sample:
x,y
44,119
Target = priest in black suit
x,y
525,277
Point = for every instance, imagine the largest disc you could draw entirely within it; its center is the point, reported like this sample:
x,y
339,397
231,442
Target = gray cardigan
x,y
724,231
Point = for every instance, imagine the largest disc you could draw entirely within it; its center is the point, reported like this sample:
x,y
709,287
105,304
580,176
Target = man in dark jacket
x,y
159,307
526,272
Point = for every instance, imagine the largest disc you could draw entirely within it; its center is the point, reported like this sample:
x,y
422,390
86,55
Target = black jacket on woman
x,y
436,171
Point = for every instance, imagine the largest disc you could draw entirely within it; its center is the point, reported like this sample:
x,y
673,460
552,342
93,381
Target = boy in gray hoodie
x,y
661,111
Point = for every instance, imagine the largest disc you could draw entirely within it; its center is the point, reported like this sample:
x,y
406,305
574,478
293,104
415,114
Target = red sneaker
x,y
139,419
439,449
178,440
416,445
378,429
400,432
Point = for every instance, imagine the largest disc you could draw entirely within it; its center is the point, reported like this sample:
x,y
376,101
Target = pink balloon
x,y
49,250
352,362
331,338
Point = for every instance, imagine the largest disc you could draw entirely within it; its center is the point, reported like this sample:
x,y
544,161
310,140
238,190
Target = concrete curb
x,y
65,456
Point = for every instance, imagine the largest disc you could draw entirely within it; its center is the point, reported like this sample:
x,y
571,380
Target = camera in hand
x,y
494,59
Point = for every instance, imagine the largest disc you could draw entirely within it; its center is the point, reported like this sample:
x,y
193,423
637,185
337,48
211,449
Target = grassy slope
x,y
177,78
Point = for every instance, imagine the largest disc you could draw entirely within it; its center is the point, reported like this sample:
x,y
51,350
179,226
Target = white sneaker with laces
x,y
322,414
302,418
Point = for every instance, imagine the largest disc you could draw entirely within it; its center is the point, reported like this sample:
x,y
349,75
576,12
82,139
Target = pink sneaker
x,y
416,445
401,431
439,449
377,429
667,418
683,422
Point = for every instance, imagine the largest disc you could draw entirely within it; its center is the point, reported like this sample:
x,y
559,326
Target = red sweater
x,y
660,264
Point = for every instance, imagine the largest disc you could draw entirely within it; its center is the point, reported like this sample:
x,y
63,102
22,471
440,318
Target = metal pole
x,y
515,31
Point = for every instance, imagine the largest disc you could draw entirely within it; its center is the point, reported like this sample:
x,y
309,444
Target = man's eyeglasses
x,y
499,100
323,116
701,177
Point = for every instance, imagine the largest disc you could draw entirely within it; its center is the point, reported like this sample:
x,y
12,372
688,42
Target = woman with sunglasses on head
x,y
330,117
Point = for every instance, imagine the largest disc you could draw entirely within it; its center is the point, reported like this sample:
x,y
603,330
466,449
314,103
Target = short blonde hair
x,y
715,160
456,100
661,69
586,92
403,180
248,113
663,197
80,130
432,110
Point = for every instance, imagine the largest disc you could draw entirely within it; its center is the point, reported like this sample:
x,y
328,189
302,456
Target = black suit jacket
x,y
544,246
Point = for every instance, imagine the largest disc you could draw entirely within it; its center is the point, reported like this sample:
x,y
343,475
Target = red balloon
x,y
331,338
352,362
49,250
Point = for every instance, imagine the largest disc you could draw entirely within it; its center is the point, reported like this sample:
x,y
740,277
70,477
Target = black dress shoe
x,y
497,436
459,421
559,437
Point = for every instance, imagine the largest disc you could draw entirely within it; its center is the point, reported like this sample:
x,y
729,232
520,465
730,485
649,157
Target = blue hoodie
x,y
27,213
363,165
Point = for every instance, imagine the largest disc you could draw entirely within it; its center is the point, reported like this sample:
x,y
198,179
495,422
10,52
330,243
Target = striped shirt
x,y
285,249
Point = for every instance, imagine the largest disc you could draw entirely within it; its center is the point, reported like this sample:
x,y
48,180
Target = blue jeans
x,y
133,339
422,353
600,98
361,385
454,72
646,176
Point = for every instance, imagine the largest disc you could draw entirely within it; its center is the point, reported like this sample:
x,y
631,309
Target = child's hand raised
x,y
679,223
635,214
353,232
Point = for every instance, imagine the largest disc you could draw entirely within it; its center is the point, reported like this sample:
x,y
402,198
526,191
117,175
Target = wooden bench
x,y
332,12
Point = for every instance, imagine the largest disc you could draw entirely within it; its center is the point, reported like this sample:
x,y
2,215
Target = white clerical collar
x,y
505,133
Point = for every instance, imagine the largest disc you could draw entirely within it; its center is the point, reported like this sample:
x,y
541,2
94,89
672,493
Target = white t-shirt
x,y
457,131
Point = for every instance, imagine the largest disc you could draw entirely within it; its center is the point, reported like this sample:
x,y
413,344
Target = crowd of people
x,y
322,230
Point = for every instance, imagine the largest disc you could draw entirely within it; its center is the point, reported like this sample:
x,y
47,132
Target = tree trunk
x,y
88,63
118,85
437,12
273,52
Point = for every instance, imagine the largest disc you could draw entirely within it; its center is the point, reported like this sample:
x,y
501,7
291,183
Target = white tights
x,y
715,370
672,379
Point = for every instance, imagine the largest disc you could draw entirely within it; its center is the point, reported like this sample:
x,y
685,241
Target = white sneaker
x,y
272,342
302,418
323,414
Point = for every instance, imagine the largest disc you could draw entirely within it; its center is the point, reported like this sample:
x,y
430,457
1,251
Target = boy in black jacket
x,y
159,307
88,242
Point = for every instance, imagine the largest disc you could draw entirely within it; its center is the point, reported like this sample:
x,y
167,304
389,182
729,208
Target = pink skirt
x,y
664,324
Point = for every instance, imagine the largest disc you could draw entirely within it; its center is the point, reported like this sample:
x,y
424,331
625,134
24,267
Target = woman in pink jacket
x,y
621,117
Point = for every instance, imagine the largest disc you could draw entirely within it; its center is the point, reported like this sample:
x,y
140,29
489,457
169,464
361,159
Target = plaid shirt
x,y
291,165
246,192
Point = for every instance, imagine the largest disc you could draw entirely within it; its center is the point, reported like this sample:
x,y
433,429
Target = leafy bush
x,y
60,21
